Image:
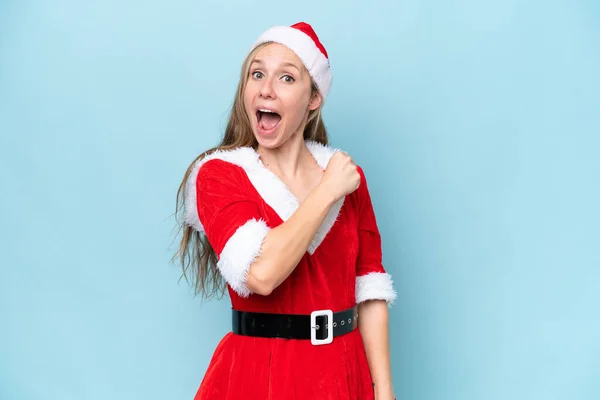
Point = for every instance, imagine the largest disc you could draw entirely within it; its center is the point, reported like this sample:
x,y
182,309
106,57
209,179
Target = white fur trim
x,y
239,253
305,48
320,152
273,191
375,286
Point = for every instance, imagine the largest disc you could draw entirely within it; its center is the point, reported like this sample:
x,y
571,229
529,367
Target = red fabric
x,y
308,30
278,369
226,200
369,248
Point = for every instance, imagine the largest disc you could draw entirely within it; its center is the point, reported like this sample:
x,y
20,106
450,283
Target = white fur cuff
x,y
375,286
239,253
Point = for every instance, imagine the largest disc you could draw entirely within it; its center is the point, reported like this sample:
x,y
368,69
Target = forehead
x,y
275,53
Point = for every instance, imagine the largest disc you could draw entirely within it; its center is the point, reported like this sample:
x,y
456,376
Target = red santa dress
x,y
235,200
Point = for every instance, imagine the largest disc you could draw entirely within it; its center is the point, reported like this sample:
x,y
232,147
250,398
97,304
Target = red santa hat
x,y
302,40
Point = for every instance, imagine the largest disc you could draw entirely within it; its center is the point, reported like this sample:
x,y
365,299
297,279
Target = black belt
x,y
315,326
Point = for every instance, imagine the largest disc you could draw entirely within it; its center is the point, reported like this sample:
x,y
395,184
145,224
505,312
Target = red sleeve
x,y
230,215
372,280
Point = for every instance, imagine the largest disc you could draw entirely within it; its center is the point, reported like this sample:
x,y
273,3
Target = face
x,y
277,96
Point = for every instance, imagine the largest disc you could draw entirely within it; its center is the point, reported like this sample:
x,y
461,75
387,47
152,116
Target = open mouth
x,y
268,120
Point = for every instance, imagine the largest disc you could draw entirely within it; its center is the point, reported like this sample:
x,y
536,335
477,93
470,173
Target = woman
x,y
287,222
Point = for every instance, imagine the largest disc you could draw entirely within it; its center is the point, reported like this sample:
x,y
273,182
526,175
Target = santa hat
x,y
302,40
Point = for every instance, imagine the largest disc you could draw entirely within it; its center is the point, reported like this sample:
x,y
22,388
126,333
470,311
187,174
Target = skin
x,y
374,329
279,81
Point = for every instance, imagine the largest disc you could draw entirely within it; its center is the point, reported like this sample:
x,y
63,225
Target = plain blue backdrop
x,y
477,123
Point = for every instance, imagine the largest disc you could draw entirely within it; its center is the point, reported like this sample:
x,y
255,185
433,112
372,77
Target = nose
x,y
267,90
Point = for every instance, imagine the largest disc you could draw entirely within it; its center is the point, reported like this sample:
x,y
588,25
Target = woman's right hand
x,y
341,176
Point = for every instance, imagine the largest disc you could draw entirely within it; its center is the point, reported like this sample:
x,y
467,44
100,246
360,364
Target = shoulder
x,y
217,170
223,168
361,172
215,178
322,153
224,163
362,191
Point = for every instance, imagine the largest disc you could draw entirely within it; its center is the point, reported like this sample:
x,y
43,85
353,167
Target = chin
x,y
271,141
268,142
275,140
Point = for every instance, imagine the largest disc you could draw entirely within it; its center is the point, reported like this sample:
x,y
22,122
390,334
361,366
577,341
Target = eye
x,y
257,75
288,78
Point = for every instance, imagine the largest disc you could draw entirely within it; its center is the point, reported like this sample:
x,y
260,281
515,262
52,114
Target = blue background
x,y
477,123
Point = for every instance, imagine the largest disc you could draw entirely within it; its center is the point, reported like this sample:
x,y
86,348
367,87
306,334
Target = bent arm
x,y
284,246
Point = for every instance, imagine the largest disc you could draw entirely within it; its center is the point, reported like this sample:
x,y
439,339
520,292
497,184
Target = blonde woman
x,y
285,224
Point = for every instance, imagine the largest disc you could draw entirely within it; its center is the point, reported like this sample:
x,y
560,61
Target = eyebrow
x,y
285,64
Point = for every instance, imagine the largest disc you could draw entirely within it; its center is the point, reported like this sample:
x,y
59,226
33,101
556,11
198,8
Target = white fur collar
x,y
273,191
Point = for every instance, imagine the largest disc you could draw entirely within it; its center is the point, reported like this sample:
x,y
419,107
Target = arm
x,y
284,246
373,326
253,257
374,293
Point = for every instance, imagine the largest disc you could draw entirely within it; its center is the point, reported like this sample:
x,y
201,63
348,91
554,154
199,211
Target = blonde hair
x,y
195,255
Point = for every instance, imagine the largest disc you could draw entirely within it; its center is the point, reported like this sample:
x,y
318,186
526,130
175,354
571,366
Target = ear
x,y
315,101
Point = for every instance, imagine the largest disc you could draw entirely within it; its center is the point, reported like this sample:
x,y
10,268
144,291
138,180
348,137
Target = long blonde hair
x,y
196,256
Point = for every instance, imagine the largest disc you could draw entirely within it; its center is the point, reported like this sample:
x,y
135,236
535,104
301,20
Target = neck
x,y
287,159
